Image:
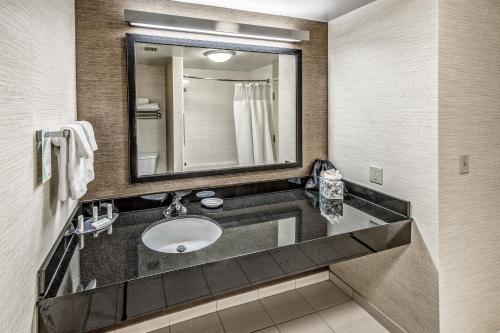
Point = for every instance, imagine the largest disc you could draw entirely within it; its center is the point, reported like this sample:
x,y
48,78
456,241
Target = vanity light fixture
x,y
150,20
219,55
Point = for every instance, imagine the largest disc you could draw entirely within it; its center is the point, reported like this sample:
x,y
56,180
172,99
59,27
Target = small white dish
x,y
205,194
212,202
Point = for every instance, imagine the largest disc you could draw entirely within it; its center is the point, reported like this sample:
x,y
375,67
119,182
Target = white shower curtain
x,y
252,121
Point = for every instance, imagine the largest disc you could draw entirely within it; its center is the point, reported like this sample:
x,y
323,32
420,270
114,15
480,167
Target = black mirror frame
x,y
131,39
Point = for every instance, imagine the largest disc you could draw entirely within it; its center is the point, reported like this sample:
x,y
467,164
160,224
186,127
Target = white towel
x,y
89,133
78,151
148,107
75,159
89,162
79,140
141,100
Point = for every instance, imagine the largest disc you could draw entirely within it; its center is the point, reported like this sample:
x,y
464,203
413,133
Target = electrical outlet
x,y
463,164
376,175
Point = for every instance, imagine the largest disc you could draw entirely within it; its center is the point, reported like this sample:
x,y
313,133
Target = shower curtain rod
x,y
225,80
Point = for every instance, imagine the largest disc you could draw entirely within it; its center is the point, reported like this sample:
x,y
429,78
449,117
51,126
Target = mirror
x,y
200,108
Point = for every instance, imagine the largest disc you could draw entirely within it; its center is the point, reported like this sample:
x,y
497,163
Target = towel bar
x,y
54,134
148,114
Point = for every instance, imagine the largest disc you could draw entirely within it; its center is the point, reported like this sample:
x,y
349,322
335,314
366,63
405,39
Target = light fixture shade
x,y
203,26
219,55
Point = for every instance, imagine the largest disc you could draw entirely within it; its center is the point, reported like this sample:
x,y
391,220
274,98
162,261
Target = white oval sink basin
x,y
181,234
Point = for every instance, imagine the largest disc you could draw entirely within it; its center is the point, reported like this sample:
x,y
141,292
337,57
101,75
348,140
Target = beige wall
x,y
102,87
383,112
469,123
37,90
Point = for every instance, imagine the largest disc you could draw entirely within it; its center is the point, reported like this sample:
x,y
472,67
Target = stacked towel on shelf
x,y
75,160
141,100
148,107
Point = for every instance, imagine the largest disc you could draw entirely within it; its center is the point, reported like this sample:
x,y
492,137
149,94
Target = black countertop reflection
x,y
265,237
250,224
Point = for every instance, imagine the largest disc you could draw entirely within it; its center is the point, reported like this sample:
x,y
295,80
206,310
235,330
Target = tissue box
x,y
331,189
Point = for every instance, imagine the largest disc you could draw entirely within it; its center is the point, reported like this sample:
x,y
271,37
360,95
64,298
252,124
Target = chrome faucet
x,y
175,208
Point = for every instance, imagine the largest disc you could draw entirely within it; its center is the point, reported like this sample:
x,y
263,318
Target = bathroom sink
x,y
181,234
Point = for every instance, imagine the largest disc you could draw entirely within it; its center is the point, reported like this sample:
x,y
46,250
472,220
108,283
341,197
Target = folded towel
x,y
148,107
141,100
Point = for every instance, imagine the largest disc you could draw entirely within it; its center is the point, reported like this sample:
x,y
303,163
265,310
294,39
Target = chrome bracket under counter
x,y
271,232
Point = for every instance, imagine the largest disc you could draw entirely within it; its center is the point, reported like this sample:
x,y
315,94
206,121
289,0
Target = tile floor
x,y
317,308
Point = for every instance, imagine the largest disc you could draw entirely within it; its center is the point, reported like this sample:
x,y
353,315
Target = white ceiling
x,y
317,10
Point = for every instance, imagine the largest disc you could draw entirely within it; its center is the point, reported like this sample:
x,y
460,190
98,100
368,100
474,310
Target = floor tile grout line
x,y
298,290
326,322
221,322
330,306
289,320
301,316
244,304
300,294
317,312
276,325
286,321
267,313
305,299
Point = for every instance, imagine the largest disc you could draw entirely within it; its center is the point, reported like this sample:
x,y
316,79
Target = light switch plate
x,y
376,175
463,164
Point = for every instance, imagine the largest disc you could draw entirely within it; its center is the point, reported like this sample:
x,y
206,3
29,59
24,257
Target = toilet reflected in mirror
x,y
146,163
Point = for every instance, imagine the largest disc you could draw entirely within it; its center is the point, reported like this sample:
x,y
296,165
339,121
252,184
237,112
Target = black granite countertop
x,y
250,224
267,236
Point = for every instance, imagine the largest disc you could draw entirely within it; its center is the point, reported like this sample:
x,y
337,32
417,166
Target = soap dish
x,y
88,228
212,202
205,194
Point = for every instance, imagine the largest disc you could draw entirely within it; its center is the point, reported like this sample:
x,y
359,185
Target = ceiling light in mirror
x,y
219,55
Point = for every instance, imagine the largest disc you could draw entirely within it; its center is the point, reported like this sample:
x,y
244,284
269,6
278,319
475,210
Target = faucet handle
x,y
181,209
172,198
167,212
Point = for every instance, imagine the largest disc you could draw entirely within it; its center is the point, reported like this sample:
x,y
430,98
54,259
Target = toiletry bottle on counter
x,y
331,185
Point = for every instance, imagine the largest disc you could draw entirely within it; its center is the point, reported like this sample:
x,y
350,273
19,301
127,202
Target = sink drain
x,y
181,248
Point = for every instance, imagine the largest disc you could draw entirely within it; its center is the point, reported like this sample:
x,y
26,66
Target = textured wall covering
x,y
37,90
469,123
102,87
383,112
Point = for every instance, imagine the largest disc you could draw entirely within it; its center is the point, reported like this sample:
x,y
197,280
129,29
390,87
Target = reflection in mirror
x,y
199,109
